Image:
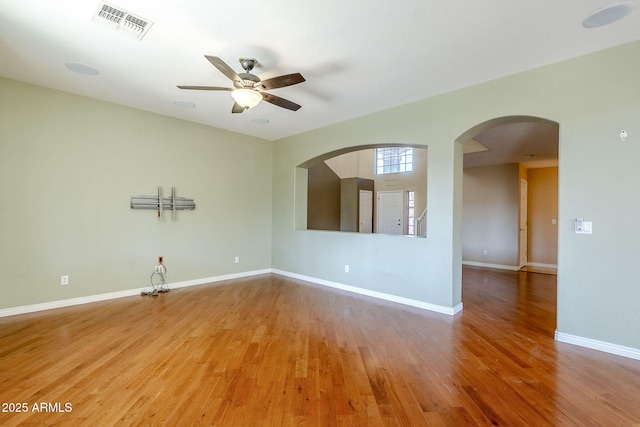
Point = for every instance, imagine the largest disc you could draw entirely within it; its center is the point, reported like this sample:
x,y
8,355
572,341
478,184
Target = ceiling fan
x,y
248,89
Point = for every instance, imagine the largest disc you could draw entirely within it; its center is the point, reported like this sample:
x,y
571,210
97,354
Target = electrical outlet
x,y
485,252
237,260
346,268
64,280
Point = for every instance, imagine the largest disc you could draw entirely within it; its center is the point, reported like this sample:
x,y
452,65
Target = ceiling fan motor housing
x,y
247,65
247,77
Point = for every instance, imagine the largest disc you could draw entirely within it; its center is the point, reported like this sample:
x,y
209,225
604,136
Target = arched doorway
x,y
501,156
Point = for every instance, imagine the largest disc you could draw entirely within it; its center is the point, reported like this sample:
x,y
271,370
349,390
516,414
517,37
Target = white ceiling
x,y
358,56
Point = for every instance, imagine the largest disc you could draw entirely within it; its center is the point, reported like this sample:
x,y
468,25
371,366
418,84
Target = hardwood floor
x,y
272,351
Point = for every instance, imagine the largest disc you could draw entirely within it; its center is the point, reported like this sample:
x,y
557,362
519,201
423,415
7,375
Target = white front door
x,y
366,212
390,212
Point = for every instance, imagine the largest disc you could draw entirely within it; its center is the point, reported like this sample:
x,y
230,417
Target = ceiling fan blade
x,y
223,68
204,88
280,102
282,81
237,108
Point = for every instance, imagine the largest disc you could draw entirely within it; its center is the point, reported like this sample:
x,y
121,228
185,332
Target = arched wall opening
x,y
497,207
481,127
348,190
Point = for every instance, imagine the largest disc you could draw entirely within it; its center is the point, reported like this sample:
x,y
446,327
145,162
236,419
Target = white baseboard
x,y
121,294
132,292
487,265
214,279
606,347
508,267
68,302
380,295
541,265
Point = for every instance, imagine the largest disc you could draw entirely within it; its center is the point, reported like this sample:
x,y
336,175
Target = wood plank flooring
x,y
272,351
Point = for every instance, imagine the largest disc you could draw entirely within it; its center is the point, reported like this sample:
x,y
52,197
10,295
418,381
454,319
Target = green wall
x,y
68,168
69,165
396,265
592,98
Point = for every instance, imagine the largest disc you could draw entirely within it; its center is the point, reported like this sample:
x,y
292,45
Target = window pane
x,y
394,159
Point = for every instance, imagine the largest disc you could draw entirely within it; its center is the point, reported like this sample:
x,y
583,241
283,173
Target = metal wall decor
x,y
160,203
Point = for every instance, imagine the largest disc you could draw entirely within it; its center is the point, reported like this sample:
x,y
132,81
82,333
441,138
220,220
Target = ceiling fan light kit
x,y
249,89
246,98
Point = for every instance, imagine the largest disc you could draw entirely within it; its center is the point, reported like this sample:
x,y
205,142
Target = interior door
x,y
523,229
390,217
365,212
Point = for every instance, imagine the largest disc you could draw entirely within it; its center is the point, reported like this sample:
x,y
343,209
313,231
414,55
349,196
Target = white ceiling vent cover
x,y
120,20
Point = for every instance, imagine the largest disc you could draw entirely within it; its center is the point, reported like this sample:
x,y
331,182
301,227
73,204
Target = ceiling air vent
x,y
122,21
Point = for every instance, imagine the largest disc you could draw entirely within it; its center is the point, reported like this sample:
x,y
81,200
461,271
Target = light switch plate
x,y
586,228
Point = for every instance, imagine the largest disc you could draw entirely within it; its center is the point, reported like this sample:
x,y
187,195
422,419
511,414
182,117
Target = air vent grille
x,y
121,20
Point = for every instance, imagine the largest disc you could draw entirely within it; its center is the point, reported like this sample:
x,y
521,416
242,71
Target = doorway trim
x,y
523,219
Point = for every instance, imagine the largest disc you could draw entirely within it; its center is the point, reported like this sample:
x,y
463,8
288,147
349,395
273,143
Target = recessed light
x,y
608,15
184,104
260,121
81,69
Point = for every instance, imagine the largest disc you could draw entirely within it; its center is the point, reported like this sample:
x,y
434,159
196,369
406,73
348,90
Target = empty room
x,y
346,213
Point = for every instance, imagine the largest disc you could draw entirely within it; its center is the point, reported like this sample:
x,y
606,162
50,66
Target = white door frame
x,y
523,256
